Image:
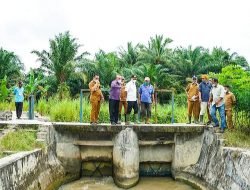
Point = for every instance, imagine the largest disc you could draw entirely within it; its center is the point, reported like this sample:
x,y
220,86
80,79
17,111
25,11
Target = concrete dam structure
x,y
76,150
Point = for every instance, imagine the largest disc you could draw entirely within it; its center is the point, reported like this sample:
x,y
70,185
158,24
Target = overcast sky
x,y
26,25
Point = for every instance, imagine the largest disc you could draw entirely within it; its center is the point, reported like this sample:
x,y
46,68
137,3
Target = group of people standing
x,y
125,96
209,96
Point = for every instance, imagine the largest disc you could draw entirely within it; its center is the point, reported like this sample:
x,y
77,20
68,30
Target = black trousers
x,y
19,109
146,109
113,110
132,105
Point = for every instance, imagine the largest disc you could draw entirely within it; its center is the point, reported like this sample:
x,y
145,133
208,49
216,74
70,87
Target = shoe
x,y
189,120
127,122
222,131
147,121
209,122
113,123
93,123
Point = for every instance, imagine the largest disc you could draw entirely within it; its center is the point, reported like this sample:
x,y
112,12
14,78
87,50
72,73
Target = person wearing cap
x,y
132,99
204,91
216,100
230,100
114,99
96,97
146,98
192,92
123,101
19,97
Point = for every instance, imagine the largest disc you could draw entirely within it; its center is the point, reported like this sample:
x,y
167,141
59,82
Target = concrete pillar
x,y
126,159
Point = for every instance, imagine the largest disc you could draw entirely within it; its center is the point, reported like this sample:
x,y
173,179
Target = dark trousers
x,y
113,110
132,105
19,109
145,109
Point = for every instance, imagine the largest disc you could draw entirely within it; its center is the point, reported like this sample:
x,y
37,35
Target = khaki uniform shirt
x,y
230,100
95,91
193,92
123,95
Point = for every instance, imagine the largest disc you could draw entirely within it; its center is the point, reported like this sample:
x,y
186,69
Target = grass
x,y
19,141
237,138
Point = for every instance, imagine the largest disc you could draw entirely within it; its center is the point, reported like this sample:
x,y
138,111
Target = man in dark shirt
x,y
204,91
114,99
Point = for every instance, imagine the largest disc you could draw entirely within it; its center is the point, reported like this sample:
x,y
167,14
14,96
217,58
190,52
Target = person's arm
x,y
233,99
187,89
200,90
14,92
222,95
115,84
139,95
152,95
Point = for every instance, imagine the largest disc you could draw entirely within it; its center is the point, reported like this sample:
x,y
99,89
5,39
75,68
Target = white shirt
x,y
131,91
218,92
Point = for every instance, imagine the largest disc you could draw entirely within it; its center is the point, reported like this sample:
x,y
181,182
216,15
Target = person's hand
x,y
217,102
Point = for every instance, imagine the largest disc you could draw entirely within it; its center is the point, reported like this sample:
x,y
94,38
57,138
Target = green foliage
x,y
4,91
10,65
237,138
33,86
62,57
19,141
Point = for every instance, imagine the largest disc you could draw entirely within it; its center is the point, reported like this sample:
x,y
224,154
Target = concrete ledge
x,y
149,128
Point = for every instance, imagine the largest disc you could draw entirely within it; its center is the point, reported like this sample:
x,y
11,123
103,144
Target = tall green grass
x,y
19,141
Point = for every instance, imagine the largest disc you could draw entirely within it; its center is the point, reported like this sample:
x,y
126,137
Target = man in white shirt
x,y
216,102
132,99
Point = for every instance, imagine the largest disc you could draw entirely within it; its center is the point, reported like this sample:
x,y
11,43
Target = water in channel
x,y
145,183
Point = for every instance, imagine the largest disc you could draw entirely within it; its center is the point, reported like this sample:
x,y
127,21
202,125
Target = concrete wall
x,y
32,170
219,167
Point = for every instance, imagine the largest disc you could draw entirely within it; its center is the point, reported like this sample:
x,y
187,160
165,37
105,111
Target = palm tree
x,y
106,65
10,65
129,56
189,62
61,58
156,52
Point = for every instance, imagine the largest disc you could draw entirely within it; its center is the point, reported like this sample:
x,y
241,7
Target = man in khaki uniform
x,y
230,100
96,97
192,92
123,101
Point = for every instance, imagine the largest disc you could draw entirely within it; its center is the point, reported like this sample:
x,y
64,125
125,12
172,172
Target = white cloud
x,y
26,25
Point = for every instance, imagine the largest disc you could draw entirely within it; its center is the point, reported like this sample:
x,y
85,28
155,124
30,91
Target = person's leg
x,y
202,111
196,111
221,110
125,105
149,106
143,111
97,111
120,111
116,110
135,106
229,119
21,109
190,108
129,109
16,104
208,115
213,115
92,112
111,110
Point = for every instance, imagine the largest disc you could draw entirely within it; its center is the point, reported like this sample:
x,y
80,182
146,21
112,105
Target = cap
x,y
133,76
204,77
147,78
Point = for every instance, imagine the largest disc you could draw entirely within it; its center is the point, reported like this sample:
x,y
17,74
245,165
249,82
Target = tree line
x,y
64,70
